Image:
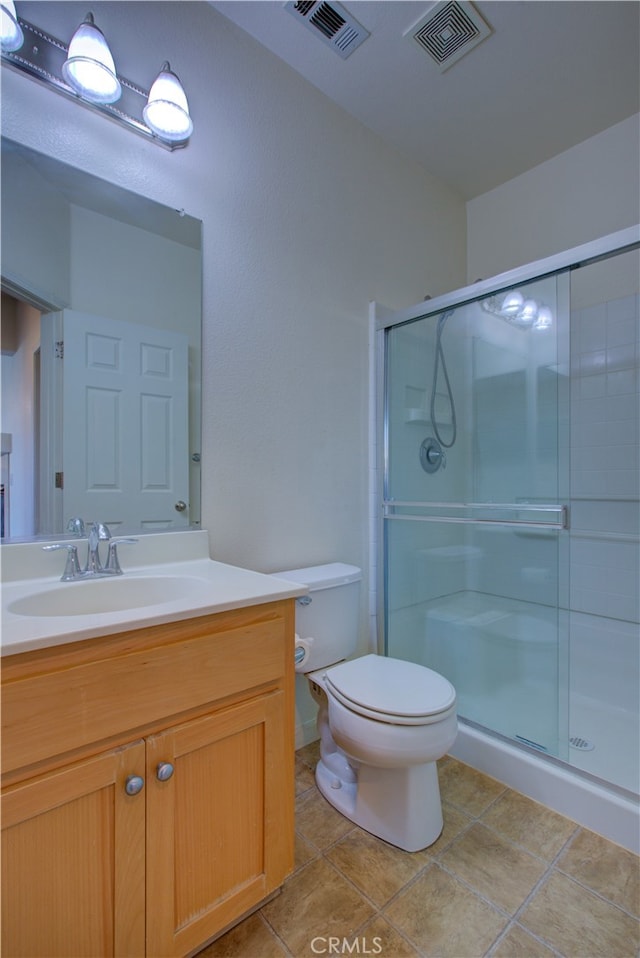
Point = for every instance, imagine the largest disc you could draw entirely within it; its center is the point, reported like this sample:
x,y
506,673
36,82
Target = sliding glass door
x,y
475,493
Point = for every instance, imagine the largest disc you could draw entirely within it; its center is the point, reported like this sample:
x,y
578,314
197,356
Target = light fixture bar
x,y
42,56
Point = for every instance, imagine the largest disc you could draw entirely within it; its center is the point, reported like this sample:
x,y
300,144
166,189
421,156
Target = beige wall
x,y
580,195
307,217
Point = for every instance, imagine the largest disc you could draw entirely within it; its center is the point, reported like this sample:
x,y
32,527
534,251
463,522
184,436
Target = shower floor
x,y
502,657
614,734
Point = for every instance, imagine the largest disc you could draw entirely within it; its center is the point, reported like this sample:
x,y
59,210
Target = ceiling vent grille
x,y
331,23
449,31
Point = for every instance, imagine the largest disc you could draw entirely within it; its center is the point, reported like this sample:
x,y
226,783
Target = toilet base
x,y
400,805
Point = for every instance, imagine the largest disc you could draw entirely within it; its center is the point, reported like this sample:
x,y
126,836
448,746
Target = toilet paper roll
x,y
302,652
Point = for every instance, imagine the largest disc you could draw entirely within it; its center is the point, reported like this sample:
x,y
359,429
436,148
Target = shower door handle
x,y
514,515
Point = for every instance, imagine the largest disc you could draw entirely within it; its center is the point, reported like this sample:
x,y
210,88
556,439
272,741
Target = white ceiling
x,y
551,74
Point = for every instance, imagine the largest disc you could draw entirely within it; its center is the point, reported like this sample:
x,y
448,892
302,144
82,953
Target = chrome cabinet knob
x,y
134,784
164,771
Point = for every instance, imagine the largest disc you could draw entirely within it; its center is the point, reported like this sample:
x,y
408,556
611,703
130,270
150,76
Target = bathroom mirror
x,y
101,354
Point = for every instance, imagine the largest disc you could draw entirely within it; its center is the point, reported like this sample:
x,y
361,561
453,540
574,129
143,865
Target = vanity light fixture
x,y
518,311
167,110
11,37
89,68
86,72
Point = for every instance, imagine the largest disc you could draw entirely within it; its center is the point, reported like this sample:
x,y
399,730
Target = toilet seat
x,y
391,690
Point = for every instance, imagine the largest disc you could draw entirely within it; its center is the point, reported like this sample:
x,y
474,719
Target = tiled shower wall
x,y
604,459
605,515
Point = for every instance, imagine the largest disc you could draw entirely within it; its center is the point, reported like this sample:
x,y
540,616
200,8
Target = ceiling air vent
x,y
448,31
330,23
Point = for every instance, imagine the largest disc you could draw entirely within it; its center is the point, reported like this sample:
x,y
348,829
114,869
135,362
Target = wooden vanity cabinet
x,y
73,861
155,835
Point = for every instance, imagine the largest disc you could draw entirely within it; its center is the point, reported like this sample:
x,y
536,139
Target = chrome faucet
x,y
98,532
76,526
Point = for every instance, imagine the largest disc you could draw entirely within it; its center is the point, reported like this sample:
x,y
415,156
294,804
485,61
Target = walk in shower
x,y
510,505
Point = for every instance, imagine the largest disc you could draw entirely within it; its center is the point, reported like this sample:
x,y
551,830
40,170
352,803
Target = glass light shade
x,y
527,314
512,303
544,319
167,111
89,68
11,35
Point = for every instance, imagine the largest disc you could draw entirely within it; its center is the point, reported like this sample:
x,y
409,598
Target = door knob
x,y
134,784
180,506
164,771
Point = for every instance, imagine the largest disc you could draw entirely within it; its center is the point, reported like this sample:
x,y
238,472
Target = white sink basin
x,y
95,596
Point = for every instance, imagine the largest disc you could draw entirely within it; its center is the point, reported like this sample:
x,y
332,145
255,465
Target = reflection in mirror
x,y
101,358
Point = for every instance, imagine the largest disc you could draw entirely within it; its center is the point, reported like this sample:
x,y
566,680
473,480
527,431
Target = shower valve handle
x,y
432,455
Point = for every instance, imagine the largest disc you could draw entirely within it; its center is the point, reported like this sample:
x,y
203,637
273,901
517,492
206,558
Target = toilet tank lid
x,y
317,577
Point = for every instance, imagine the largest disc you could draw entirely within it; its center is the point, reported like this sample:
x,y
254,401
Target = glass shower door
x,y
476,403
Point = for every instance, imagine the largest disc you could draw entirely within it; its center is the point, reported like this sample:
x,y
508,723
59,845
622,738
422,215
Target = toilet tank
x,y
327,618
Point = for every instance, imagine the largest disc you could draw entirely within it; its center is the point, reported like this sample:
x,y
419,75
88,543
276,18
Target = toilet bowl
x,y
383,722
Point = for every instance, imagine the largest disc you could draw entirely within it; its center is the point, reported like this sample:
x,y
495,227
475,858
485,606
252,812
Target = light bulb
x,y
528,313
512,303
11,35
167,111
544,319
89,68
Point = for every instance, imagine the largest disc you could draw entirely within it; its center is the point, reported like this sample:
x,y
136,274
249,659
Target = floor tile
x,y
610,870
381,938
464,787
577,923
530,824
499,871
318,822
252,937
309,754
452,899
304,852
518,943
442,917
316,902
305,777
455,822
376,868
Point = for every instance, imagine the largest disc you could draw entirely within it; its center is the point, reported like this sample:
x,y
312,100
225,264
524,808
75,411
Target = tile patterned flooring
x,y
507,878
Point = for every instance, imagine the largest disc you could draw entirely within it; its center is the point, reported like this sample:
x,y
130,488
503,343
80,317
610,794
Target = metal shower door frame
x,y
552,516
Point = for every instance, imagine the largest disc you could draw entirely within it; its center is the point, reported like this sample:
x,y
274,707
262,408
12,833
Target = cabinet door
x,y
220,829
73,861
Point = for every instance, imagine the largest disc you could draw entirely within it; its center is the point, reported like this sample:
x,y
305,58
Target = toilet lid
x,y
391,687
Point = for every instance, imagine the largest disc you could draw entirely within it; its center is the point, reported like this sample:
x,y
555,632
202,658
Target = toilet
x,y
383,722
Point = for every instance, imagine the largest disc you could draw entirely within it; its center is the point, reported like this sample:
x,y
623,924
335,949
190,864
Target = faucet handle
x,y
72,565
113,565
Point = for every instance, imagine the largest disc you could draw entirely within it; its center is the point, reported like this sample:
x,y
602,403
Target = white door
x,y
125,446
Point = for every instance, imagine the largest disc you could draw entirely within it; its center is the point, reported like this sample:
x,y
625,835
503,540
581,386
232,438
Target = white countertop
x,y
212,587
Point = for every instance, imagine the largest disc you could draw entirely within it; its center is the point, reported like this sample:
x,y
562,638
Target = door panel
x,y
474,512
125,456
73,861
209,857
